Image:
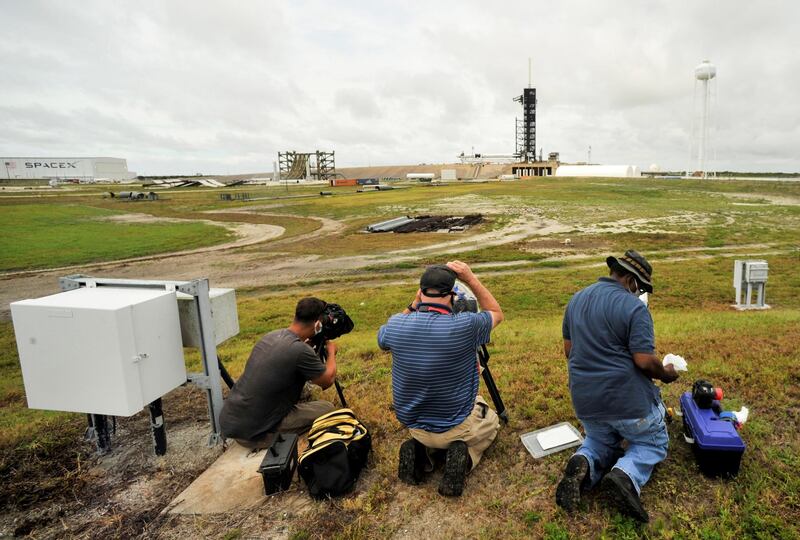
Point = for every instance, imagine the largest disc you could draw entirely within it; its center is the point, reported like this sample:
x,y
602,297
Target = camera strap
x,y
425,307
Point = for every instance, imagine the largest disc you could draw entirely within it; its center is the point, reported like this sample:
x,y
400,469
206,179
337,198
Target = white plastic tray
x,y
531,441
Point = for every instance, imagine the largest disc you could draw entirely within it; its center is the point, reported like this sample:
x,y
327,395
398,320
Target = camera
x,y
335,322
464,299
704,394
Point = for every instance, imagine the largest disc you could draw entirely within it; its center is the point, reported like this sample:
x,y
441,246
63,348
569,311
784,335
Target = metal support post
x,y
100,427
208,352
157,427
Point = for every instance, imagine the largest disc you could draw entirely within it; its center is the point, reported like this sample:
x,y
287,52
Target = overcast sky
x,y
221,87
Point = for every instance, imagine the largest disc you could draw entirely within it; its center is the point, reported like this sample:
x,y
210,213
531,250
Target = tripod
x,y
483,358
322,352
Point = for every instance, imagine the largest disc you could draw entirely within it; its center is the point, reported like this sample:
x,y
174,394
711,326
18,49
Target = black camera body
x,y
335,322
704,394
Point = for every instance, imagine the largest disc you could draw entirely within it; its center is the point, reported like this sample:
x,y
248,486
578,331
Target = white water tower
x,y
704,73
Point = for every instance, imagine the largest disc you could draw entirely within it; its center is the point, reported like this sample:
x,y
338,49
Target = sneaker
x,y
457,464
619,488
411,466
575,481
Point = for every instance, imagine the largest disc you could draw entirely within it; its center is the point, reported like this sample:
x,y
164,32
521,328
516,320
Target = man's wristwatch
x,y
411,307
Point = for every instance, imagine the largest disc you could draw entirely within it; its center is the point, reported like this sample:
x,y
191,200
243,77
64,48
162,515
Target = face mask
x,y
643,297
317,327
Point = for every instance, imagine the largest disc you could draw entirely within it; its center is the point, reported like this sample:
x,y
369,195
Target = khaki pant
x,y
298,420
478,431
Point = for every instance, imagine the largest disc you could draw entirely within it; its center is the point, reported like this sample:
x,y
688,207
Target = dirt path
x,y
233,267
225,264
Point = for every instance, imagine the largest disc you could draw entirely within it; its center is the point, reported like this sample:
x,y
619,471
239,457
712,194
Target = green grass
x,y
753,355
54,235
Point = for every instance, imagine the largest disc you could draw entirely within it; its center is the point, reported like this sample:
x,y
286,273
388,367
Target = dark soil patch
x,y
438,223
56,486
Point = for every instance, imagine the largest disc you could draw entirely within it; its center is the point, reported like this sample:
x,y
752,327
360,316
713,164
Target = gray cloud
x,y
184,86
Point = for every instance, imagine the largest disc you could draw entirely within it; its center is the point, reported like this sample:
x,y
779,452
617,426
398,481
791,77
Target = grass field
x,y
47,236
690,230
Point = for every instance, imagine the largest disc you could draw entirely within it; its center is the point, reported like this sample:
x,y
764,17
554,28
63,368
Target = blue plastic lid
x,y
708,430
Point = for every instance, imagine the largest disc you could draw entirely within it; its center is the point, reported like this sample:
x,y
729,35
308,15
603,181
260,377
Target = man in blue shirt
x,y
435,375
610,346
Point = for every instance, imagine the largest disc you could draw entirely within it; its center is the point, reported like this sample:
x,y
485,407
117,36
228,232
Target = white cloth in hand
x,y
678,361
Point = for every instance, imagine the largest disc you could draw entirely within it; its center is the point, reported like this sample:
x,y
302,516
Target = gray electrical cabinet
x,y
750,276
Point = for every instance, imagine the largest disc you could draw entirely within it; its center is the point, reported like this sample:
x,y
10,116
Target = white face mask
x,y
317,327
643,298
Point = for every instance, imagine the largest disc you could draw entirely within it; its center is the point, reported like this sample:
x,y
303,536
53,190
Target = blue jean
x,y
647,446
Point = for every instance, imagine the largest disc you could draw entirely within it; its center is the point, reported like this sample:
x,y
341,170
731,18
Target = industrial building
x,y
65,168
600,171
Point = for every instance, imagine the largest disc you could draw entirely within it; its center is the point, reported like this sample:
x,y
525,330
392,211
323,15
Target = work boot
x,y
619,488
457,464
575,481
411,466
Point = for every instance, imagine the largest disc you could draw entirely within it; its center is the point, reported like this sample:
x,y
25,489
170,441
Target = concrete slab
x,y
233,483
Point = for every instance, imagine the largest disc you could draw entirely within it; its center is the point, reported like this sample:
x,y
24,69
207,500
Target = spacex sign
x,y
67,168
51,164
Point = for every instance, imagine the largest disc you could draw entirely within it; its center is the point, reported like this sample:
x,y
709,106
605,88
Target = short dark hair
x,y
309,310
622,273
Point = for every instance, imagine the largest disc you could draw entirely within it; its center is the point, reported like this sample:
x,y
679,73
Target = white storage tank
x,y
102,350
420,176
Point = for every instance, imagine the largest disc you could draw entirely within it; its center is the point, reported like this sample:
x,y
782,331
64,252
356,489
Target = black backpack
x,y
338,446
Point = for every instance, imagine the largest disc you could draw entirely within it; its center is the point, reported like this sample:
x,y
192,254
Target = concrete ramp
x,y
233,483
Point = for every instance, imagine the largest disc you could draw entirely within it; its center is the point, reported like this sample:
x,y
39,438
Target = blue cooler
x,y
717,445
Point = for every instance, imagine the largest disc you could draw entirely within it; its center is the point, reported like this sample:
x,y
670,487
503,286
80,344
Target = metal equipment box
x,y
756,271
223,310
99,350
750,276
280,462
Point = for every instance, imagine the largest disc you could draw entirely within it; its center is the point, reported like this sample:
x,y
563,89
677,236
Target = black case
x,y
277,468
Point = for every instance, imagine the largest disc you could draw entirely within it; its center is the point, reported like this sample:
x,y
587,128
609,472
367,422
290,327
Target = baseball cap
x,y
439,278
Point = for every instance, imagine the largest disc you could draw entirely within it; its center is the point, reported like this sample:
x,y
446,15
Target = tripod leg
x,y
483,357
341,393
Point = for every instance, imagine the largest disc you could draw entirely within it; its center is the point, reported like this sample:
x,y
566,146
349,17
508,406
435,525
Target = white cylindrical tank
x,y
420,176
705,71
612,171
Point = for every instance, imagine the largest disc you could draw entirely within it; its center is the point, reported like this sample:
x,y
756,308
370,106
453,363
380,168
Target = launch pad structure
x,y
524,160
318,165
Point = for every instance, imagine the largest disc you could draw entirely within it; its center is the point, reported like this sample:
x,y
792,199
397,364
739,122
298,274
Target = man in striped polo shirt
x,y
435,374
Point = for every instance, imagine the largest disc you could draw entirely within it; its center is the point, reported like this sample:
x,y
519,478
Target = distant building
x,y
65,168
604,171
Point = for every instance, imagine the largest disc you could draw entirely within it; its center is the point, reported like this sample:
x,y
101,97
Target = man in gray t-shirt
x,y
610,346
265,399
